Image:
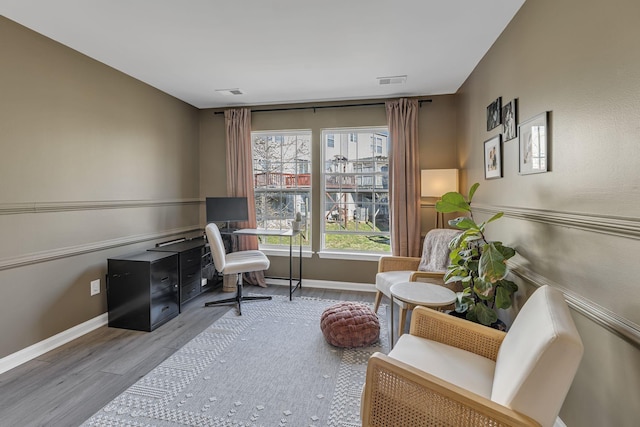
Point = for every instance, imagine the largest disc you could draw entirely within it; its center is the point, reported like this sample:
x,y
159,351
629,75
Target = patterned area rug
x,y
269,367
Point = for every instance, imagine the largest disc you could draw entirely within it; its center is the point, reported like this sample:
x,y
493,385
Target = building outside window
x,y
282,181
355,187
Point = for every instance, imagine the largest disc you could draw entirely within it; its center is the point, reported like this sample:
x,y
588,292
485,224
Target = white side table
x,y
419,293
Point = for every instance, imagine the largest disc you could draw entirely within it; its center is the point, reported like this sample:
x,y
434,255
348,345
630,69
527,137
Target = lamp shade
x,y
436,182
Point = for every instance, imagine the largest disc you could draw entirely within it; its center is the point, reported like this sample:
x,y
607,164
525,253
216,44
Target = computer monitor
x,y
227,209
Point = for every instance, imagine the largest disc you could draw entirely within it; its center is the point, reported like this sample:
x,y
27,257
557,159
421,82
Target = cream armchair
x,y
430,267
452,372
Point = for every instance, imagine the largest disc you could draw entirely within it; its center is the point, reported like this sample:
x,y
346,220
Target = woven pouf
x,y
350,324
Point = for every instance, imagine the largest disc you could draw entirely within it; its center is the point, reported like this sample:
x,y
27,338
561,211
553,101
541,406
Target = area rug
x,y
269,367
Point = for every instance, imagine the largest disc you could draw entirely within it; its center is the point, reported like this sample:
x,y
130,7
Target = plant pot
x,y
498,324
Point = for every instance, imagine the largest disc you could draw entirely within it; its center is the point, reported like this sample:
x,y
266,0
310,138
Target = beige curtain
x,y
404,191
240,176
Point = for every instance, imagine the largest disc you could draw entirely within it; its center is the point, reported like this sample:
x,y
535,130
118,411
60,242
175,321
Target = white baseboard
x,y
18,358
327,284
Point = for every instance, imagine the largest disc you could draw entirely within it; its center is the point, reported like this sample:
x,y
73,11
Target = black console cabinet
x,y
142,290
189,264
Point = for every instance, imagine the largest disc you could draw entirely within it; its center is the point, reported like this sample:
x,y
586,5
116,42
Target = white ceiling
x,y
277,51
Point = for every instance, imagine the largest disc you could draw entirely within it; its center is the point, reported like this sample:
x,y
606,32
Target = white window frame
x,y
283,248
337,253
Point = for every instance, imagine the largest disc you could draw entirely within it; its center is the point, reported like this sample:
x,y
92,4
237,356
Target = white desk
x,y
419,293
284,233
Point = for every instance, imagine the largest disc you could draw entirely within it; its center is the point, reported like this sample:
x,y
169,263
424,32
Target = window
x,y
355,185
282,180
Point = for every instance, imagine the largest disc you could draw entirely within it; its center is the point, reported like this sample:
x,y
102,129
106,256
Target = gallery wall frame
x,y
493,157
510,120
533,145
494,114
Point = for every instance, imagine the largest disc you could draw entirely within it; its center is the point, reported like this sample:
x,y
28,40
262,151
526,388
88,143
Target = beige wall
x,y
93,164
437,132
575,227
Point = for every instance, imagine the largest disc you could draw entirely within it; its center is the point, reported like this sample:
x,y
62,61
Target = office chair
x,y
234,263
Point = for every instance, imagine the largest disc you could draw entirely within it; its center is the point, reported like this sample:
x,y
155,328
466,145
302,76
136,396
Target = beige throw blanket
x,y
435,251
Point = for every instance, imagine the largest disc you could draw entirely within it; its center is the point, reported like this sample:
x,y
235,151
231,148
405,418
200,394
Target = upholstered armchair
x,y
431,267
451,372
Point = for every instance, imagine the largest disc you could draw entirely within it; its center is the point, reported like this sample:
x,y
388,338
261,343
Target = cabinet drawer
x,y
189,290
163,309
164,273
190,258
190,274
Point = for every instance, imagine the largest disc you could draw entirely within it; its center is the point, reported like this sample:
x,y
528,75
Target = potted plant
x,y
480,264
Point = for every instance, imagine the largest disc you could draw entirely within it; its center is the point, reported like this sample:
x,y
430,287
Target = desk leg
x,y
300,261
291,268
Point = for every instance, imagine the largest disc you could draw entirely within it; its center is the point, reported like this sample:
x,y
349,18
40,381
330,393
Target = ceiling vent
x,y
393,80
235,91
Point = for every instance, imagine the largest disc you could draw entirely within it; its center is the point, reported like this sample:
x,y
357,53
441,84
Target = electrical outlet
x,y
95,287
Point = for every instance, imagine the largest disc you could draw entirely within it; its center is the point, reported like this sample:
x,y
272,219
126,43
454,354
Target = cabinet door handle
x,y
166,307
164,279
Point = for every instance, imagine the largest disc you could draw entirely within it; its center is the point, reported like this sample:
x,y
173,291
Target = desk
x,y
419,293
285,233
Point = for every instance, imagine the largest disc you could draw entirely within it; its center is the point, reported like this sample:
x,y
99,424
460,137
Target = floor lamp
x,y
435,183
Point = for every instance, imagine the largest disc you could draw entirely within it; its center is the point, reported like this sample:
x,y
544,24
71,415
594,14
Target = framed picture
x,y
534,136
493,158
509,120
494,111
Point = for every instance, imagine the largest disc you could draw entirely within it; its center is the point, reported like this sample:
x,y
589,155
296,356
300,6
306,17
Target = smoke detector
x,y
392,80
234,91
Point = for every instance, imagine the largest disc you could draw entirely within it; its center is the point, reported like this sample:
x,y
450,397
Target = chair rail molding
x,y
50,255
47,207
628,227
619,325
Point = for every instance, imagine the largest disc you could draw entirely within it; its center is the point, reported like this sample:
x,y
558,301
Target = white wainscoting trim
x,y
18,358
620,326
47,207
53,254
607,224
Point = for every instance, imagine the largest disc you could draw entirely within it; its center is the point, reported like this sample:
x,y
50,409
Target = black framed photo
x,y
494,114
533,144
510,120
493,158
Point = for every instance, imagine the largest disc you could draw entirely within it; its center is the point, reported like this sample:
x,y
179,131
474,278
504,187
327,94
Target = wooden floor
x,y
65,386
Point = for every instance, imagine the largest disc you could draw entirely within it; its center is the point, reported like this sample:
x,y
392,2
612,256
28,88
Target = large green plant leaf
x,y
472,190
464,223
484,314
493,266
508,284
506,251
483,289
503,297
452,202
496,216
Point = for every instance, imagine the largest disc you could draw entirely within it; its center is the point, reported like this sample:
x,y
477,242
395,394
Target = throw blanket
x,y
435,251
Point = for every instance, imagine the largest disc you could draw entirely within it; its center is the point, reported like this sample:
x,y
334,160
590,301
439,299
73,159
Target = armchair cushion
x,y
472,372
388,278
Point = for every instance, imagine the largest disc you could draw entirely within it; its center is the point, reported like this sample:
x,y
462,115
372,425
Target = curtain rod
x,y
320,107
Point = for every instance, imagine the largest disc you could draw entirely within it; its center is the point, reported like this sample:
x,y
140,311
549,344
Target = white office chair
x,y
234,263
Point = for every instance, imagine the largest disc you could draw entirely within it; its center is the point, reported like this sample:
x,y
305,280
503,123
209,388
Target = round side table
x,y
418,293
